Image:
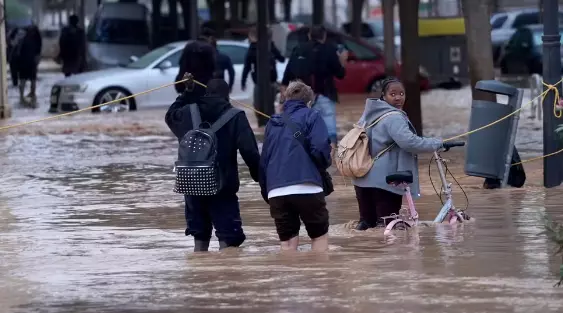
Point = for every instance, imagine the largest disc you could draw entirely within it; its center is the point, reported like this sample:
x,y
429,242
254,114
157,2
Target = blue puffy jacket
x,y
284,161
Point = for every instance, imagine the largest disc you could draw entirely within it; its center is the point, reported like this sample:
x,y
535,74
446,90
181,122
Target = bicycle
x,y
408,217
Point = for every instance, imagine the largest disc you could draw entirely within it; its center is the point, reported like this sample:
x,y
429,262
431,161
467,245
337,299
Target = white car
x,y
157,68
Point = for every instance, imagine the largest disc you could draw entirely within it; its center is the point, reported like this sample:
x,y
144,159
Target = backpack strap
x,y
224,119
389,147
196,116
382,117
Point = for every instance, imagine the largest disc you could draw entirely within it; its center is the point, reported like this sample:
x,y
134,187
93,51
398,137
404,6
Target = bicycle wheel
x,y
400,225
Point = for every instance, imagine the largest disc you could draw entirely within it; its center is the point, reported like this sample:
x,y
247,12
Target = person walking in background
x,y
27,58
72,48
317,63
199,59
251,66
290,178
224,63
14,40
220,211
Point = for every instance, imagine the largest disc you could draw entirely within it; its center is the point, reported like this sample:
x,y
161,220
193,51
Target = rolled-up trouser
x,y
203,213
267,107
327,108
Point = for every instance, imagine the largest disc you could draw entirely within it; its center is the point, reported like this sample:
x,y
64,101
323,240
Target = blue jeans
x,y
327,108
220,212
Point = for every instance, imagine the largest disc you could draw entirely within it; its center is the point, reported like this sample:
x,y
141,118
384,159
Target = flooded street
x,y
89,223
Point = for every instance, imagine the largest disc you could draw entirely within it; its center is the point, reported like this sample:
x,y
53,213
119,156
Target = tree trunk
x,y
173,11
389,36
408,13
155,19
287,10
217,13
244,9
478,32
318,12
234,8
356,26
272,11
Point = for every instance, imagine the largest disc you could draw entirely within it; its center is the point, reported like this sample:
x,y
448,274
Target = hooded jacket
x,y
284,161
235,135
394,128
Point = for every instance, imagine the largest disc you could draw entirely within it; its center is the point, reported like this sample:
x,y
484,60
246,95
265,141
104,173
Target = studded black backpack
x,y
197,170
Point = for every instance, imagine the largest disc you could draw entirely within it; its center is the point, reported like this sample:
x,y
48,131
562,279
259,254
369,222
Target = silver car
x,y
157,68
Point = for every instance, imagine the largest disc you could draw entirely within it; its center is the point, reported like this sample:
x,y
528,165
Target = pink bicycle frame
x,y
413,214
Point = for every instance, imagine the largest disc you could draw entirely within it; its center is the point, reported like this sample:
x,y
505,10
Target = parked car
x,y
524,51
156,68
505,24
366,67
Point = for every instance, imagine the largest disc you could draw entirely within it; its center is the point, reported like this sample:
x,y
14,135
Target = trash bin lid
x,y
494,86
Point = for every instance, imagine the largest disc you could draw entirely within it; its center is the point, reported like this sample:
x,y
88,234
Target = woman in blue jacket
x,y
290,177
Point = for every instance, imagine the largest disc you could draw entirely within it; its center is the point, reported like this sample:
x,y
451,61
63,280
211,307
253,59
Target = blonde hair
x,y
298,90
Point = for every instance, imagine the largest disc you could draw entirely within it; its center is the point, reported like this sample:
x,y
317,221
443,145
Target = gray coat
x,y
393,128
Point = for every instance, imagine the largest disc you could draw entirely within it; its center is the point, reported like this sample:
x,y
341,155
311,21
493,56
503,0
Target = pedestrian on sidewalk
x,y
27,59
376,198
219,211
14,40
251,66
296,149
317,63
72,47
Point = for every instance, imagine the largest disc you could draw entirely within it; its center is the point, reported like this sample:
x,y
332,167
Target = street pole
x,y
193,20
5,109
318,12
263,59
388,7
553,165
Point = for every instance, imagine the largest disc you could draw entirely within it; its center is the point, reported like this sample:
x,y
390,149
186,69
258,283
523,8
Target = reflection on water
x,y
90,224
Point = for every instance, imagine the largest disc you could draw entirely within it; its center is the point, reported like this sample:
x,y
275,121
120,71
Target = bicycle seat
x,y
404,177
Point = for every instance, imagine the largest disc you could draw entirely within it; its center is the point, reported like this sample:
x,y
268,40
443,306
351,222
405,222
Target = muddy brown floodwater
x,y
89,223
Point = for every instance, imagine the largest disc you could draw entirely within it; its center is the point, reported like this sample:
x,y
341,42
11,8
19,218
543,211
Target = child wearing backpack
x,y
376,198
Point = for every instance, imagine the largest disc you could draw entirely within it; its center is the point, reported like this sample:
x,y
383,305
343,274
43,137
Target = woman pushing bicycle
x,y
376,198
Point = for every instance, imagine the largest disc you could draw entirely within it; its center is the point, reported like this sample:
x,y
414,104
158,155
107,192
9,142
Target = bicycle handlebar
x,y
450,144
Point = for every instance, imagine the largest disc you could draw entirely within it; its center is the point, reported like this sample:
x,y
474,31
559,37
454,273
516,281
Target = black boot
x,y
222,245
200,245
362,225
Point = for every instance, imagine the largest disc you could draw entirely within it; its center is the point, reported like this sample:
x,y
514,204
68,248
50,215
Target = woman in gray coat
x,y
377,199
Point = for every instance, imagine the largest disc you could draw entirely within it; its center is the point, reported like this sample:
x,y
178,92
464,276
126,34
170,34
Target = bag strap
x,y
224,118
382,117
196,116
298,135
389,147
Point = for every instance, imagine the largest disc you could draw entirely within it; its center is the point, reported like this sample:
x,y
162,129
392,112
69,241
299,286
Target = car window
x,y
361,52
526,19
366,31
497,22
174,58
150,57
236,53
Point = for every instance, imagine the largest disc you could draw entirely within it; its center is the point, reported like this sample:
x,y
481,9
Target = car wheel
x,y
374,88
113,94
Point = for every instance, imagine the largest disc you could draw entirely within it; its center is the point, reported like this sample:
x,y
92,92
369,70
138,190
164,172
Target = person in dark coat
x,y
72,48
14,40
290,177
28,58
203,213
199,59
251,66
224,63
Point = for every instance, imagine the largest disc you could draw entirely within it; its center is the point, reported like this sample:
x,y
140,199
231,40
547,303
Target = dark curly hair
x,y
386,83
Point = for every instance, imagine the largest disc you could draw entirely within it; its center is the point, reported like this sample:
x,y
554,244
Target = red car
x,y
366,66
